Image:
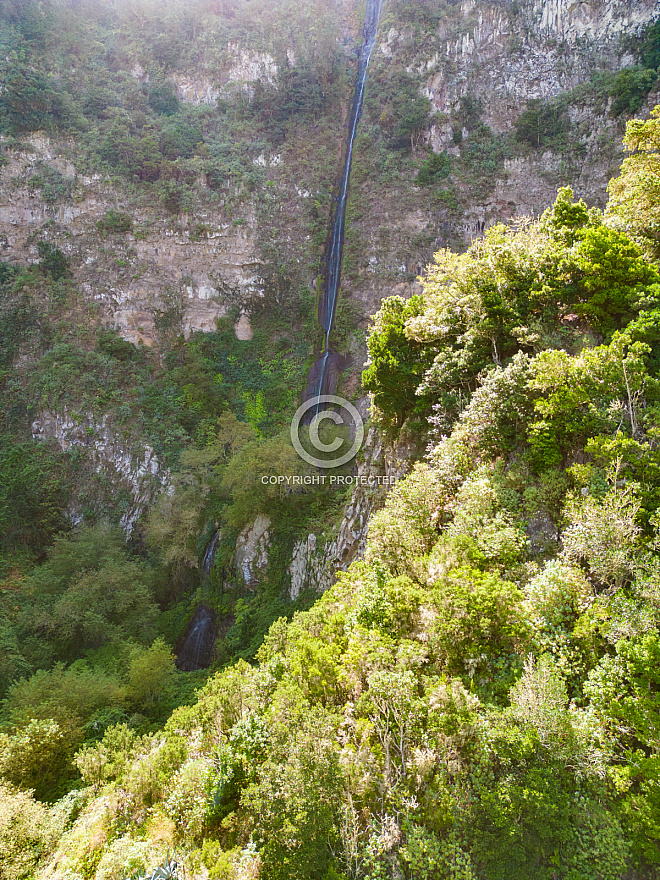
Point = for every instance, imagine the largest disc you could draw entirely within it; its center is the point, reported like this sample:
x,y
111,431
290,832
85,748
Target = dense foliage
x,y
478,696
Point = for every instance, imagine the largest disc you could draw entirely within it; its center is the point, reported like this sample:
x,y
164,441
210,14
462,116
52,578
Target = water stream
x,y
209,554
195,648
317,383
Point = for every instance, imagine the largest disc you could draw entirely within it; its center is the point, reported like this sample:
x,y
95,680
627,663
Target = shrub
x,y
437,167
630,88
480,630
163,99
114,221
543,125
397,363
38,757
410,522
27,834
91,592
52,261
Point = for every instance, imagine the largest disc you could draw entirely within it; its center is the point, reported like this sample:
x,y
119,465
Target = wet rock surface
x,y
196,647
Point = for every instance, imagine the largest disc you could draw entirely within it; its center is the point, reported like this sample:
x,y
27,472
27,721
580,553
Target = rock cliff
x,y
478,65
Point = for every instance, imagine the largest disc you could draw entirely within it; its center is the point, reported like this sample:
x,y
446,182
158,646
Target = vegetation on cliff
x,y
478,697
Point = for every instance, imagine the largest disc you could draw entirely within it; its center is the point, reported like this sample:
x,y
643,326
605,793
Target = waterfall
x,y
328,304
209,554
195,649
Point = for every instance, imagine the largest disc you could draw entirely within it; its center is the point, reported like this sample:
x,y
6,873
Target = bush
x,y
114,221
543,125
89,593
630,88
480,633
163,99
409,524
52,261
437,167
31,101
27,834
396,363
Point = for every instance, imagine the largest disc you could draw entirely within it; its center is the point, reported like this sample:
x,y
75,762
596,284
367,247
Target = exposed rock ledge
x,y
134,466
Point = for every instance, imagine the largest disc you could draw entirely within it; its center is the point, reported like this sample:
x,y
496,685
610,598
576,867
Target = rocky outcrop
x,y
185,266
133,466
316,559
499,55
251,555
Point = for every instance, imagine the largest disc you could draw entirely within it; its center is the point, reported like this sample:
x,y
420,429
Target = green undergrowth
x,y
476,697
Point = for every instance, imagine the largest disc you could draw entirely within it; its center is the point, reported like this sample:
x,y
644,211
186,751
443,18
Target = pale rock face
x,y
572,20
301,561
192,90
250,67
270,161
251,555
127,274
316,559
134,466
243,328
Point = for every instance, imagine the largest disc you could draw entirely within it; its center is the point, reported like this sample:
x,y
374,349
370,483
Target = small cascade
x,y
209,554
195,648
320,371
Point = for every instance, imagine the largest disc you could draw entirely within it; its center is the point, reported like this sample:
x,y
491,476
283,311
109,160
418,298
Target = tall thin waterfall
x,y
328,304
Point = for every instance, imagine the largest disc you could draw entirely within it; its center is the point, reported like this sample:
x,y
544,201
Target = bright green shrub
x,y
410,523
397,363
480,513
479,632
38,756
295,804
27,834
623,690
90,592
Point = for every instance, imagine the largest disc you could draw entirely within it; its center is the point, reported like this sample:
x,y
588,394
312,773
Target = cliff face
x,y
469,71
493,57
480,70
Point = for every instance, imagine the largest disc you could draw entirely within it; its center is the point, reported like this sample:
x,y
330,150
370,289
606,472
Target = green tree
x,y
31,100
150,672
28,834
624,691
397,363
90,592
295,804
634,203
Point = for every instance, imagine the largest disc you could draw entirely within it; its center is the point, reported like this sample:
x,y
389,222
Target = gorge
x,y
441,661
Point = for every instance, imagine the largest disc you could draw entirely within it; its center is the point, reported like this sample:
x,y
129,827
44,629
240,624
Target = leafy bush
x,y
53,261
90,592
27,834
436,167
114,221
38,756
32,101
480,630
543,124
630,88
397,363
